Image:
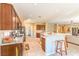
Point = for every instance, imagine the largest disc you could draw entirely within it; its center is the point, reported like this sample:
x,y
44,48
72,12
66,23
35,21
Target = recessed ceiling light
x,y
39,16
29,20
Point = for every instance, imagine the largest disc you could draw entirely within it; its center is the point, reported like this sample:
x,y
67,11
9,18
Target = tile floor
x,y
73,50
36,50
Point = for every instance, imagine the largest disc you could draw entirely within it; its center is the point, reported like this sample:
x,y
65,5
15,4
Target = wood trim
x,y
11,18
1,17
73,43
17,15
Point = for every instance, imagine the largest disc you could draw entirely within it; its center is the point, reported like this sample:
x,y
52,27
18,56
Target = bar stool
x,y
61,47
66,41
27,48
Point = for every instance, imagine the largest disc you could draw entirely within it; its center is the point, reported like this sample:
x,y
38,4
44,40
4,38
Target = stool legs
x,y
56,46
61,48
65,44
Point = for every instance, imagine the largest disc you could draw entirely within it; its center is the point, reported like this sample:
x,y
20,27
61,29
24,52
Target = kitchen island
x,y
48,42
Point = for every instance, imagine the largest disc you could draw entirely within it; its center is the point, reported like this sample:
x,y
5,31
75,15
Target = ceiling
x,y
48,12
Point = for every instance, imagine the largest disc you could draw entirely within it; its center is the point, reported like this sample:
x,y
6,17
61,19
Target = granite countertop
x,y
5,33
10,43
15,41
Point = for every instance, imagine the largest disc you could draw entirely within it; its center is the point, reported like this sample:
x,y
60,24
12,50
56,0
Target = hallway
x,y
35,48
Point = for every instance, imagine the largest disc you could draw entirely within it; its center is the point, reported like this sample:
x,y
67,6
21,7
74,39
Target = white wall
x,y
49,27
29,28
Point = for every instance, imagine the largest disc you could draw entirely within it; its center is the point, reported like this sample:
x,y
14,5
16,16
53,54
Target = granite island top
x,y
45,35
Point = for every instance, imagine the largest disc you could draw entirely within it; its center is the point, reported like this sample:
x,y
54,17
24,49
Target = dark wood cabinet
x,y
0,17
40,27
38,35
8,17
43,43
12,50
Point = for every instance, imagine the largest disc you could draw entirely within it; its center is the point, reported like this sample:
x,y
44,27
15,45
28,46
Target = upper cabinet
x,y
0,16
6,16
61,28
9,19
40,27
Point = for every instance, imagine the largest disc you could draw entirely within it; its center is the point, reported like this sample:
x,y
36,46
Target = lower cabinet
x,y
43,44
38,35
12,50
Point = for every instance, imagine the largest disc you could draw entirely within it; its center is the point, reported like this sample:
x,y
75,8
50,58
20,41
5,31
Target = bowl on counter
x,y
7,40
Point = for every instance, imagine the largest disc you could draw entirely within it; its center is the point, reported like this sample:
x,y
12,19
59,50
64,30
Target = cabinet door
x,y
12,50
19,49
6,16
4,51
8,50
38,35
